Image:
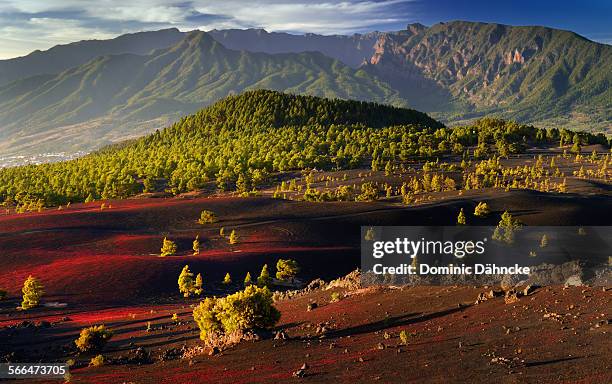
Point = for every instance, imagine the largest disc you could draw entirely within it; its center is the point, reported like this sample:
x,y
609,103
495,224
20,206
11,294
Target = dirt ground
x,y
103,266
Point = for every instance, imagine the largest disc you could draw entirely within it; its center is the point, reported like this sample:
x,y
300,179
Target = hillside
x,y
531,74
237,143
455,71
120,96
352,50
62,57
461,70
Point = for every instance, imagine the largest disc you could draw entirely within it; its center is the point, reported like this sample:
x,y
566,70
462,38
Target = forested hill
x,y
264,108
242,141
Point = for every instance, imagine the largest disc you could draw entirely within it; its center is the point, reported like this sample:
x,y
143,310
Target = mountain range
x,y
85,95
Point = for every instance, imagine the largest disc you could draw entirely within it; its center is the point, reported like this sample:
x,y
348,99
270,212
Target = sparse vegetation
x,y
247,279
93,338
482,210
32,292
505,230
404,337
286,269
461,218
207,217
544,241
246,310
264,280
233,237
188,286
97,361
227,280
196,245
168,247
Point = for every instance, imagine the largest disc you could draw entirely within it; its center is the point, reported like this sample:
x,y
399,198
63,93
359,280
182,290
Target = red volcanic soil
x,y
108,257
448,342
104,265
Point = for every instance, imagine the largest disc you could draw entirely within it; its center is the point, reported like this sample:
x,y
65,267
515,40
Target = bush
x,y
335,297
207,217
32,292
168,247
93,338
286,269
404,337
482,210
246,310
97,361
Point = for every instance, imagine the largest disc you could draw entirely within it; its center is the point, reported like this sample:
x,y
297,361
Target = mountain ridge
x,y
456,71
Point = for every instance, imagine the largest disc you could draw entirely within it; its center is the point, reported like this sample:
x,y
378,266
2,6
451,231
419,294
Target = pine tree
x,y
168,247
286,269
461,218
264,279
233,237
504,232
227,280
544,241
185,282
196,245
198,285
32,291
247,279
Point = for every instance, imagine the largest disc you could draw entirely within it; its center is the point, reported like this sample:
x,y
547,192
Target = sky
x,y
27,25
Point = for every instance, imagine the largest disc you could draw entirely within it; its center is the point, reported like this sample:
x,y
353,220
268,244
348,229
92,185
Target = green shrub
x,y
335,297
404,337
249,309
286,269
482,210
97,361
93,338
207,217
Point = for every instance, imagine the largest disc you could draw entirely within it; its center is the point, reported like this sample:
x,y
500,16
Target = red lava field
x,y
103,266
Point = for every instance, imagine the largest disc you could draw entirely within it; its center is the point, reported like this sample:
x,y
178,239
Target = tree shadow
x,y
553,361
390,322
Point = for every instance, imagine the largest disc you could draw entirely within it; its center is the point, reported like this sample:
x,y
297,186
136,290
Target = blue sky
x,y
26,25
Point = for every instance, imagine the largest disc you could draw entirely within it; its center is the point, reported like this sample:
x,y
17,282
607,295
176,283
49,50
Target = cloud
x,y
26,25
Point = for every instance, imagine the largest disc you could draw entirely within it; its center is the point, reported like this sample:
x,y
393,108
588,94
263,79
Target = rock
x,y
494,293
315,284
380,346
280,335
481,297
311,306
529,289
511,297
573,281
301,372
